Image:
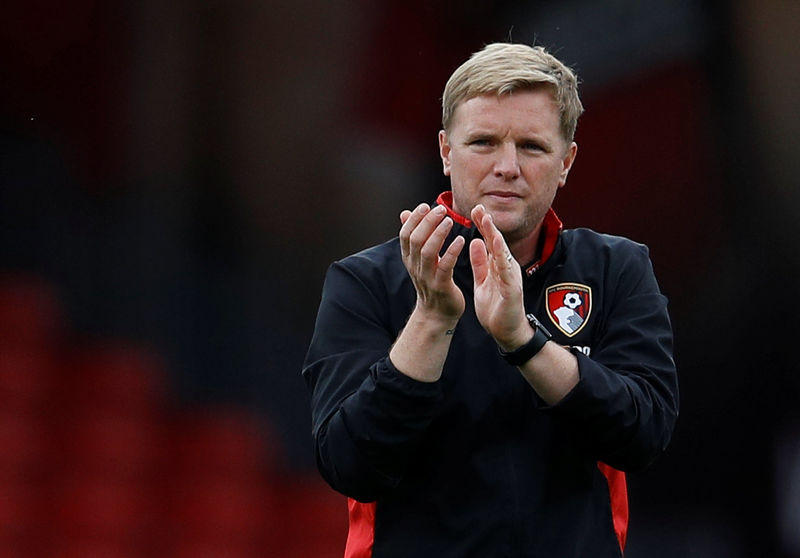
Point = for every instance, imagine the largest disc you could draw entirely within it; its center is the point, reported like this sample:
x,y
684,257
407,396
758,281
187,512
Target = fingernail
x,y
439,209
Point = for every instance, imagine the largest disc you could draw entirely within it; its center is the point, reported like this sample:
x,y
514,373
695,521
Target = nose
x,y
507,164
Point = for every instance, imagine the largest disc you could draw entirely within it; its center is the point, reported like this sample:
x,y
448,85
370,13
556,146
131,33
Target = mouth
x,y
502,195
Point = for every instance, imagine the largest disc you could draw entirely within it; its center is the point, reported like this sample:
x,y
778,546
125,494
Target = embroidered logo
x,y
569,306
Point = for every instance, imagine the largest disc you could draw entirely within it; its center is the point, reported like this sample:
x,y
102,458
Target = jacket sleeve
x,y
625,405
366,416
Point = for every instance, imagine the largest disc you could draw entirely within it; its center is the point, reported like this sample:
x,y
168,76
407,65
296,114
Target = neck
x,y
540,243
525,250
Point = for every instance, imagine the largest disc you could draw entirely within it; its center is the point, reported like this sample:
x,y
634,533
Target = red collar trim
x,y
446,199
551,229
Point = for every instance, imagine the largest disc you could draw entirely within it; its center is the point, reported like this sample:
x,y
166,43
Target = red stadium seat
x,y
111,446
20,509
27,376
224,442
94,463
23,529
315,518
222,483
30,313
116,376
217,510
96,547
188,548
24,444
85,507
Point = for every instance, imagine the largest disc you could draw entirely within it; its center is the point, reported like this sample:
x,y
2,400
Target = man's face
x,y
507,152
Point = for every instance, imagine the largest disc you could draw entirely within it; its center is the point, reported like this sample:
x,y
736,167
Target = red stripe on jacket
x,y
618,494
361,533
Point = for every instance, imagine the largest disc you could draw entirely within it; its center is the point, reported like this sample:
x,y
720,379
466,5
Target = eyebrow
x,y
482,133
479,132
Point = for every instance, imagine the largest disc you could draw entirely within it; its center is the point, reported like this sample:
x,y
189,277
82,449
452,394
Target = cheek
x,y
457,169
545,173
463,201
473,169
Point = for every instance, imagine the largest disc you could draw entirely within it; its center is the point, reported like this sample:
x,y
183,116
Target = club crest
x,y
569,306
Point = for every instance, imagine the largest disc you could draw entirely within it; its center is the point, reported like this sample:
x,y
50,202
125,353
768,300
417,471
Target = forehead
x,y
529,109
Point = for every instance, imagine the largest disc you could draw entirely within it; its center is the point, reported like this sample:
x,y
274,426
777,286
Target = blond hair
x,y
503,68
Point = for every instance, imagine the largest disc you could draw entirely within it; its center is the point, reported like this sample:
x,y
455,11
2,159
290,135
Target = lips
x,y
503,194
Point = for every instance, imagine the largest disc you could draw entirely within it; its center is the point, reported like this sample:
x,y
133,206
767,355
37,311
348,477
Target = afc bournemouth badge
x,y
569,306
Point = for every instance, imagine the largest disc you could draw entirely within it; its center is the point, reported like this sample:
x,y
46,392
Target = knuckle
x,y
441,229
415,239
434,217
427,252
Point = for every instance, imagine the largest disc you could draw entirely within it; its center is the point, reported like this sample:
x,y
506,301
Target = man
x,y
441,404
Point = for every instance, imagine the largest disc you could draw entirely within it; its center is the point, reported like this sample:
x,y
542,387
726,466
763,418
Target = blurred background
x,y
175,178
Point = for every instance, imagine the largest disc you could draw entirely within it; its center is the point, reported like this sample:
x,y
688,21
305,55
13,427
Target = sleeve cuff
x,y
574,394
387,377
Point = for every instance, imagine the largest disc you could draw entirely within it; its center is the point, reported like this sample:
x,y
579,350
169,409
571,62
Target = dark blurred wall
x,y
186,171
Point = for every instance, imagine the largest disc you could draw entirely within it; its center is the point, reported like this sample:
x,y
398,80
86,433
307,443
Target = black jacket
x,y
476,464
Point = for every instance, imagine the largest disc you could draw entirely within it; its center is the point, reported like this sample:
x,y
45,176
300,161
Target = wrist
x,y
421,348
521,354
431,321
520,338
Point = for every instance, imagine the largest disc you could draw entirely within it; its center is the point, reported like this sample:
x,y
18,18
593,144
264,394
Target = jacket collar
x,y
551,231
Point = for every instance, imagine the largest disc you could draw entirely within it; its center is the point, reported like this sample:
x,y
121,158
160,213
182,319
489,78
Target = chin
x,y
507,216
513,227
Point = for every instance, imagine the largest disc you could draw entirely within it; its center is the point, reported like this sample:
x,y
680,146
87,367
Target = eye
x,y
480,142
531,146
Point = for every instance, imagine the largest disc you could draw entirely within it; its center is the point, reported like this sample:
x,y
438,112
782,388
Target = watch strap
x,y
523,354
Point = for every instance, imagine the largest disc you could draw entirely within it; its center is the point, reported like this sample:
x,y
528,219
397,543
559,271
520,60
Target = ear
x,y
444,152
566,163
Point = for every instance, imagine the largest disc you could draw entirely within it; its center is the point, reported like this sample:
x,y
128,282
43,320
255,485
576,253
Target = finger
x,y
423,230
501,261
404,215
409,225
504,261
429,253
491,235
495,242
447,262
483,220
501,254
478,259
476,215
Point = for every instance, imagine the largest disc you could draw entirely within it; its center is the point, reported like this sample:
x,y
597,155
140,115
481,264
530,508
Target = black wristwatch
x,y
529,349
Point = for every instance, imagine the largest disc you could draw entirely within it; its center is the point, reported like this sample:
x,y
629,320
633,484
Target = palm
x,y
444,298
498,283
497,302
422,237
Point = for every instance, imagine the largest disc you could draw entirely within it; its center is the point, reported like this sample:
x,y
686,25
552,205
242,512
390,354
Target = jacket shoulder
x,y
611,251
378,265
623,264
374,257
593,240
375,274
